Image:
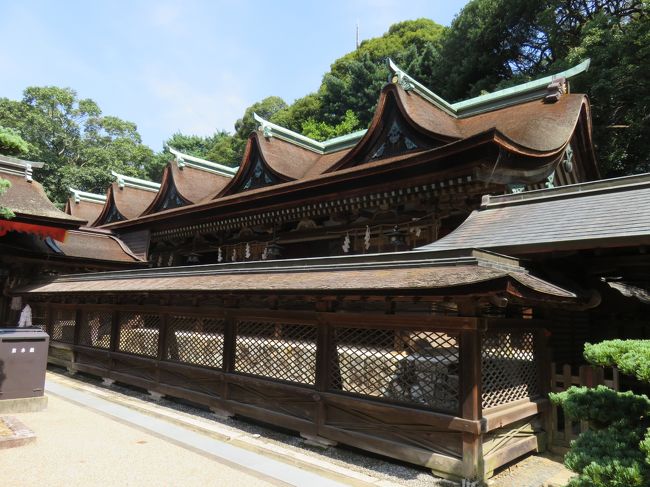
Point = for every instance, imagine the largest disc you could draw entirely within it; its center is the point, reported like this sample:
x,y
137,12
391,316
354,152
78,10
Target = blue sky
x,y
191,66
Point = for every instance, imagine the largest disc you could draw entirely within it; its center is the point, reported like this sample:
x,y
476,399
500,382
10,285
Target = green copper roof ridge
x,y
522,89
343,141
79,195
483,103
270,129
137,183
203,164
408,83
15,161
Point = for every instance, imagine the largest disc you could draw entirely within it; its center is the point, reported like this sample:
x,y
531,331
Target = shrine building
x,y
401,289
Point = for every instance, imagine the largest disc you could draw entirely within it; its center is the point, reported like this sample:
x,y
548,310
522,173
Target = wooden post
x,y
543,359
470,402
115,331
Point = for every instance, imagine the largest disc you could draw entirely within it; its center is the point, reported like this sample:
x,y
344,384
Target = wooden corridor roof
x,y
467,273
606,213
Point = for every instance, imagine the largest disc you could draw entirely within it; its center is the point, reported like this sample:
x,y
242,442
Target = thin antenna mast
x,y
357,34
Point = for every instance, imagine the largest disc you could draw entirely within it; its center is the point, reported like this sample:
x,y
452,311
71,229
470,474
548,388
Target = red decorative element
x,y
40,230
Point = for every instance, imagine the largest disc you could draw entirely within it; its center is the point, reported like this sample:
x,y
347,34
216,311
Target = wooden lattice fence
x,y
561,429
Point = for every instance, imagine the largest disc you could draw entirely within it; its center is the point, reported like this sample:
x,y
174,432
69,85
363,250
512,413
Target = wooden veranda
x,y
432,359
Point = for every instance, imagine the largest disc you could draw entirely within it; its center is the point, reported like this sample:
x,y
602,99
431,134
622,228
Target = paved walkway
x,y
84,440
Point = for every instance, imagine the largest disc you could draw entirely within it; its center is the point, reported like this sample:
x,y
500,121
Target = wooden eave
x,y
165,186
381,174
389,95
252,149
472,273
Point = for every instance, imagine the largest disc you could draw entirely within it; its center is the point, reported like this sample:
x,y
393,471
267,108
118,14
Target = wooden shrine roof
x,y
27,199
528,130
84,209
128,201
472,272
85,247
606,213
191,184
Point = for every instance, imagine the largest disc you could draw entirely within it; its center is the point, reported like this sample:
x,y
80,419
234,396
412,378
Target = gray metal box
x,y
23,361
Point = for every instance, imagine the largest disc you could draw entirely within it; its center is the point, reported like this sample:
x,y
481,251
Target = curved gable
x,y
394,131
254,172
168,196
110,212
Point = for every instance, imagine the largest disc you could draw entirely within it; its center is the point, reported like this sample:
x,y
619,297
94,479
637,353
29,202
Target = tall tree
x,y
78,144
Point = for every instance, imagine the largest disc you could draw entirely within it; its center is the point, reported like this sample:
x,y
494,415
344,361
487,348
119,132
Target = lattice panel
x,y
409,366
508,367
63,321
96,329
277,351
39,316
139,333
197,341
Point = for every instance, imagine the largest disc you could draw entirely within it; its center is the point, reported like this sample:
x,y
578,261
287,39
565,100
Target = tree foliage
x,y
11,143
323,131
78,144
496,43
616,449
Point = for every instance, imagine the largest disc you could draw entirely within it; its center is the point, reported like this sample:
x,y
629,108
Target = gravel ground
x,y
364,462
77,447
532,471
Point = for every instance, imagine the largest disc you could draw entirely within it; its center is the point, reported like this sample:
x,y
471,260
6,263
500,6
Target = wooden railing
x,y
561,429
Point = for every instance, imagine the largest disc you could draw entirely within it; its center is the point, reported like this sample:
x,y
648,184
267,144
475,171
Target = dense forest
x,y
490,44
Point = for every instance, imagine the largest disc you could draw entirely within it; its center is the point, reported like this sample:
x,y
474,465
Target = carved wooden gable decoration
x,y
256,174
110,214
395,137
392,135
170,199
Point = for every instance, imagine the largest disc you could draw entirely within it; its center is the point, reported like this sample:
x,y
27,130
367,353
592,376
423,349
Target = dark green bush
x,y
615,452
632,357
602,406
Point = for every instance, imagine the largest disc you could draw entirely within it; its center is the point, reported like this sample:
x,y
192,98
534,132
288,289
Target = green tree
x,y
323,131
354,80
5,213
294,115
11,143
615,451
78,144
619,90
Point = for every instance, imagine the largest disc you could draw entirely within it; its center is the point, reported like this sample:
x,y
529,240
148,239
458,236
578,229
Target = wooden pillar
x,y
470,392
470,402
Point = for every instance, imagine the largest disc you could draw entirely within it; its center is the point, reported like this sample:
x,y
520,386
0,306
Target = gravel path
x,y
532,471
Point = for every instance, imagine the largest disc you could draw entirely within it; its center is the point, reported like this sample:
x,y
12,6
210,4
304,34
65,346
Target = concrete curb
x,y
230,435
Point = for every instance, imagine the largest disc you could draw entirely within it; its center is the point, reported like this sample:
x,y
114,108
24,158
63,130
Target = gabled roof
x,y
187,180
526,130
84,205
27,199
606,213
83,247
126,198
